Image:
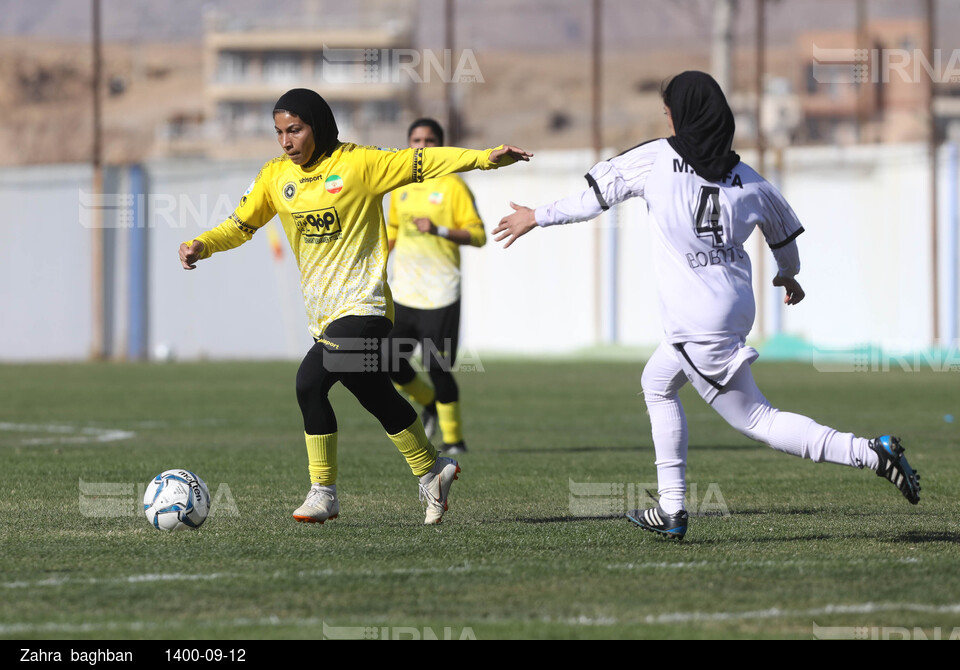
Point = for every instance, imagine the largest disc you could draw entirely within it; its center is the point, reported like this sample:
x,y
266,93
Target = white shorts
x,y
711,365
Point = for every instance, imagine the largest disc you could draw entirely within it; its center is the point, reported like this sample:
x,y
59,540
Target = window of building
x,y
281,67
233,66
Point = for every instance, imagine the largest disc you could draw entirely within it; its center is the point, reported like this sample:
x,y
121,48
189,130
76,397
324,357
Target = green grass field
x,y
804,546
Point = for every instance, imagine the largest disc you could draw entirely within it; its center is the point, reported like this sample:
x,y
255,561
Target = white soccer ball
x,y
176,499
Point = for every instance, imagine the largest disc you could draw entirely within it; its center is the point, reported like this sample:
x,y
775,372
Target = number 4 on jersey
x,y
708,215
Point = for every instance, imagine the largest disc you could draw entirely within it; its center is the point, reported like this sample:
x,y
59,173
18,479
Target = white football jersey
x,y
699,229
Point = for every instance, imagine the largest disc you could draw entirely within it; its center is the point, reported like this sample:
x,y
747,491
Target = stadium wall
x,y
866,258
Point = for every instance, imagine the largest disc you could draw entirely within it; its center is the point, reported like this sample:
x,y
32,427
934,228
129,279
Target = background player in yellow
x,y
328,196
427,224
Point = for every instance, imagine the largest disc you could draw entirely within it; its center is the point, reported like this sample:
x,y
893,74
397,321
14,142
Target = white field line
x,y
455,569
668,618
151,625
688,565
132,579
66,434
176,576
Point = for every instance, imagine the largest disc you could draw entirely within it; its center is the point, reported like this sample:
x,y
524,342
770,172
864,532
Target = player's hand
x,y
425,225
190,254
515,225
794,292
507,155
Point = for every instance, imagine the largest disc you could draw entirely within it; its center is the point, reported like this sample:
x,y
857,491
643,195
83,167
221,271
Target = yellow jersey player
x,y
427,224
328,194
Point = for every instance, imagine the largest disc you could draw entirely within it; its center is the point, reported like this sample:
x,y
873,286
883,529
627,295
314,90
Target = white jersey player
x,y
704,204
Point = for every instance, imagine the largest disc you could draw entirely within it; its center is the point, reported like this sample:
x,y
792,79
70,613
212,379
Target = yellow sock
x,y
416,448
448,415
322,454
420,391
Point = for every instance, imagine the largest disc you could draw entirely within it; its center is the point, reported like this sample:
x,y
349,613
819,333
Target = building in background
x,y
358,64
199,81
875,87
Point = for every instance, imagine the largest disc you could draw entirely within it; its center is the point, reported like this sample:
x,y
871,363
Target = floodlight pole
x,y
863,42
761,163
98,335
453,114
934,192
604,275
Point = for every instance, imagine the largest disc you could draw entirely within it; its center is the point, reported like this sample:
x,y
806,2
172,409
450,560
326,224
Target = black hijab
x,y
703,123
315,111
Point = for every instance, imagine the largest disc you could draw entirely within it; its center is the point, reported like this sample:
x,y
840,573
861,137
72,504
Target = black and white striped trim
x,y
652,517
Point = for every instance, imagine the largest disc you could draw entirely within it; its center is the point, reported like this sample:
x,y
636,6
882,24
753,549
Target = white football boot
x,y
321,504
435,487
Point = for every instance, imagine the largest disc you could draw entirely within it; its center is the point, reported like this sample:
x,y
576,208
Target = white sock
x,y
669,428
743,406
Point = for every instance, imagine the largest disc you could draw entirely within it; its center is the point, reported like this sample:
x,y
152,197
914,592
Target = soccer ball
x,y
176,499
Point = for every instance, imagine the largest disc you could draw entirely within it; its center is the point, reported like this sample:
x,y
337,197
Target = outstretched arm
x,y
255,210
516,225
610,182
581,206
387,169
508,155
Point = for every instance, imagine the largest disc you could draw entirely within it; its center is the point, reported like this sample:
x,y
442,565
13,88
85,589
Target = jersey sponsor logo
x,y
435,198
702,259
289,190
318,226
333,184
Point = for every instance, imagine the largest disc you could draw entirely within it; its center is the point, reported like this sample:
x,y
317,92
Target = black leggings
x,y
437,332
350,352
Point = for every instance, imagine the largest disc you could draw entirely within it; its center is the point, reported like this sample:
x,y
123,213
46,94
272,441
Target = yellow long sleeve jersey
x,y
332,215
426,267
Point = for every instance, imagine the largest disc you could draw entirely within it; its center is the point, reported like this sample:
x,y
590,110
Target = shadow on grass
x,y
646,447
571,450
913,537
805,512
563,519
919,536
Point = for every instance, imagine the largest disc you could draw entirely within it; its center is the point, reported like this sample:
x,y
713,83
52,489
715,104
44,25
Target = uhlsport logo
x,y
333,184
